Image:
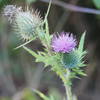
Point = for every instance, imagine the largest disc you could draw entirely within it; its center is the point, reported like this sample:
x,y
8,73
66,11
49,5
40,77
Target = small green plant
x,y
62,52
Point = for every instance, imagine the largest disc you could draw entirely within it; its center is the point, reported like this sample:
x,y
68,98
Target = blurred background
x,y
18,72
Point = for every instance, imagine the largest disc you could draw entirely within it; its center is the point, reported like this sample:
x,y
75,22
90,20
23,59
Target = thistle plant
x,y
62,52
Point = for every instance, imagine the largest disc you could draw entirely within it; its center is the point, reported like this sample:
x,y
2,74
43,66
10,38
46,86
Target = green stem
x,y
68,86
68,92
66,80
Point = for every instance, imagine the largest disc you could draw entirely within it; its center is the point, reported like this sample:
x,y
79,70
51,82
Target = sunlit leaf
x,y
97,3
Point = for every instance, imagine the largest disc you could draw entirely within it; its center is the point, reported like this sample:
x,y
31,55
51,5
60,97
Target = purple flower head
x,y
64,43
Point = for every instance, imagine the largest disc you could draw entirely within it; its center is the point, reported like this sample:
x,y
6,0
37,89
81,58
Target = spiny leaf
x,y
43,96
79,71
46,59
30,51
81,43
43,57
24,43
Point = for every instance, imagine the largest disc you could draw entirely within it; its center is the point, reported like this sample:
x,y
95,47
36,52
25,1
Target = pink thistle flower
x,y
64,43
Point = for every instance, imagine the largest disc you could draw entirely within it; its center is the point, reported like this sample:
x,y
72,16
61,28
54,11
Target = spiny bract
x,y
71,59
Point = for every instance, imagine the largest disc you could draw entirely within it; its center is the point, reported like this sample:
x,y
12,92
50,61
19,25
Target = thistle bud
x,y
25,23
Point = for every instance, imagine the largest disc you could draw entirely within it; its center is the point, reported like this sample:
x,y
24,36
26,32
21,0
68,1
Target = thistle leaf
x,y
30,51
81,43
43,96
24,43
43,57
79,71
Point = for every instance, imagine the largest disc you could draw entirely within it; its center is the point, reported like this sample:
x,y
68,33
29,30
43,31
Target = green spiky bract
x,y
71,60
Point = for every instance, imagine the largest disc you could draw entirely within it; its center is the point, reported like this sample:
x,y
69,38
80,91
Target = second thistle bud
x,y
25,23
